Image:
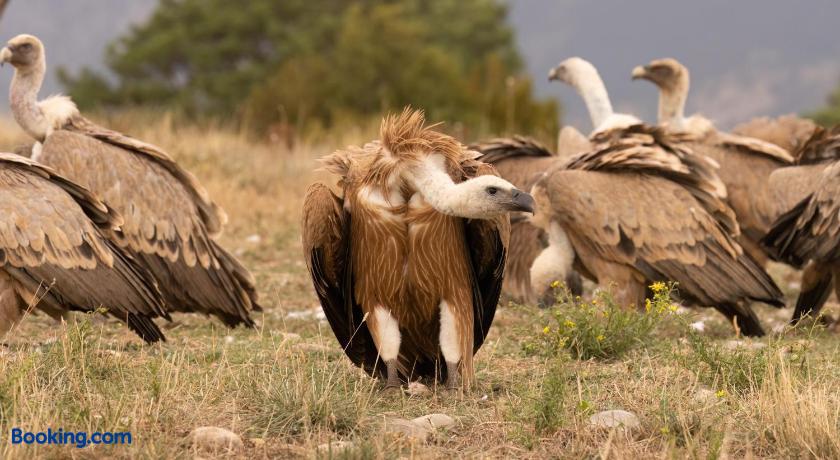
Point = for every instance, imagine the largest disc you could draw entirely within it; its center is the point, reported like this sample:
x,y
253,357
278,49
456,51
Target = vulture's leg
x,y
11,306
451,342
817,280
743,318
386,334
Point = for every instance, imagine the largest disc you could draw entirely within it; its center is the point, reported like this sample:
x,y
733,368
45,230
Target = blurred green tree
x,y
291,62
830,114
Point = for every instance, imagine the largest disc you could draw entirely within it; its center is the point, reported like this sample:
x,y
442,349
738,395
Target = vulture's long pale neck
x,y
23,98
588,83
431,179
435,185
672,103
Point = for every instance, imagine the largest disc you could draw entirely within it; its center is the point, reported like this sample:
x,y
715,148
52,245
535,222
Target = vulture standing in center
x,y
408,262
640,208
170,221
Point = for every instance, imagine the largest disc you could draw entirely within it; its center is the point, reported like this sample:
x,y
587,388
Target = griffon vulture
x,y
642,207
762,183
170,220
745,163
55,255
408,261
809,230
521,161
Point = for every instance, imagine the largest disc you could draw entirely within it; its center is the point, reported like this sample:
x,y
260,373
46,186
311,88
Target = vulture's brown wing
x,y
570,142
811,230
168,218
822,147
50,236
325,230
487,241
652,151
787,131
661,229
755,146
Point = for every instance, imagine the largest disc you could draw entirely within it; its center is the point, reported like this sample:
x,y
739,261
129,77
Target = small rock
x,y
407,428
435,421
615,419
312,313
335,448
253,239
698,326
417,389
705,397
229,339
215,439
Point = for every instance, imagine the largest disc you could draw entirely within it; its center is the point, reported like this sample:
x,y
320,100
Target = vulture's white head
x,y
486,197
24,52
575,72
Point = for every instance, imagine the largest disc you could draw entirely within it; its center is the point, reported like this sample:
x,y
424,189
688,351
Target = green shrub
x,y
601,328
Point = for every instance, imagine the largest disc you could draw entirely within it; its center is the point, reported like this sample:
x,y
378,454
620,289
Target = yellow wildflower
x,y
658,287
664,430
600,337
546,330
555,284
721,393
673,308
647,305
569,323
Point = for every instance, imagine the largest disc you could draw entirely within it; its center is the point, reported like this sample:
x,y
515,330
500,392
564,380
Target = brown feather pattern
x,y
169,220
51,235
644,208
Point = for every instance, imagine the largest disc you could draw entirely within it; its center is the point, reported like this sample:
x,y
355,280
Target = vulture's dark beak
x,y
5,56
521,201
640,72
554,74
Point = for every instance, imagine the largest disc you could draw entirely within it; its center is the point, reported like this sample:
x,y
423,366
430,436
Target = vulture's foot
x,y
453,376
393,375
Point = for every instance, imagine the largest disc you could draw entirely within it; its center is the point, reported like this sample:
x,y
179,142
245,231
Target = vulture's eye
x,y
492,190
25,47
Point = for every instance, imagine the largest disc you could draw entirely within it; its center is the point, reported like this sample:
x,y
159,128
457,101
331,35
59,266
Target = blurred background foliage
x,y
829,115
280,67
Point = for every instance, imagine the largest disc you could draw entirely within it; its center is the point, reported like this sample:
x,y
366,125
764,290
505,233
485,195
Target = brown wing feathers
x,y
811,230
169,221
50,235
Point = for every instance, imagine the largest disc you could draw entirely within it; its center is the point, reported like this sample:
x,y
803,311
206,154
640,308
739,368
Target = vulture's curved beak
x,y
553,74
521,201
5,55
640,71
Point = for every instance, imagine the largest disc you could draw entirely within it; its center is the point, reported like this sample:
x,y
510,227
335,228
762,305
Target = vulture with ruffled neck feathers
x,y
170,221
408,261
55,256
640,207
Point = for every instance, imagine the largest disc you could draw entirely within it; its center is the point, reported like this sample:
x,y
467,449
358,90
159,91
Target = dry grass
x,y
285,394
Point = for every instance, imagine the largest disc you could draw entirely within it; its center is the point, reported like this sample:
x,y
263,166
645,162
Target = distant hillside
x,y
747,58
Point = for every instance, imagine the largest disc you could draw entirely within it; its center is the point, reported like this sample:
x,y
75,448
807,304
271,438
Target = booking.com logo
x,y
60,437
